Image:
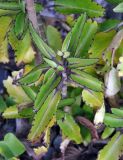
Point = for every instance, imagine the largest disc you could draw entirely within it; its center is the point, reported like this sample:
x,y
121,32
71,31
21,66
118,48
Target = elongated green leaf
x,y
42,46
113,120
4,58
30,92
113,150
5,23
19,24
44,115
3,105
4,12
9,6
70,128
92,98
107,132
86,80
54,38
74,34
117,111
48,74
66,102
78,41
89,30
11,146
114,1
45,90
108,25
77,62
66,42
78,6
33,75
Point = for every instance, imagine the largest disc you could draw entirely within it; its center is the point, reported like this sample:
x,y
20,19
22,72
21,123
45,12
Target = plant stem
x,y
32,14
33,19
89,125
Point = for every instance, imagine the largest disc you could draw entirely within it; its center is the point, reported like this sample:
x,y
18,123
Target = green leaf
x,y
78,41
23,48
54,38
31,77
9,6
16,146
11,146
4,12
112,120
114,1
5,150
113,150
48,74
69,43
45,90
108,24
66,102
70,128
119,8
3,105
78,6
86,80
4,58
107,132
11,113
88,32
117,111
30,92
80,63
23,110
103,38
92,98
19,24
41,45
5,23
44,115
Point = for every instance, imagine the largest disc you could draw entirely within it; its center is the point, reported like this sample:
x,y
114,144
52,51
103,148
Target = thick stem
x,y
32,14
64,88
67,109
33,19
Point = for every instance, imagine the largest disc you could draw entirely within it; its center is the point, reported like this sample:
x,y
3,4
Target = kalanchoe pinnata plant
x,y
56,74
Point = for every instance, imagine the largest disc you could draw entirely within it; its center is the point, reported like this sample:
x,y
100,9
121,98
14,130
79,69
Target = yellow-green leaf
x,y
113,150
92,98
